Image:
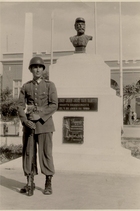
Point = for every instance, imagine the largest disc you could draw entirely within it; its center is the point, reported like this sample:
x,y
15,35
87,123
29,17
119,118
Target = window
x,y
16,88
16,91
16,83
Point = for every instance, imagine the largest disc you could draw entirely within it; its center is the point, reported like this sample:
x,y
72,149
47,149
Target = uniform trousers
x,y
44,141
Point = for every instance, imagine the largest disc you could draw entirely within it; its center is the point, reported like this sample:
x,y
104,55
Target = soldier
x,y
40,97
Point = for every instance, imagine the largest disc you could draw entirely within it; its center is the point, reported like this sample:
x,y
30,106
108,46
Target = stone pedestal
x,y
87,76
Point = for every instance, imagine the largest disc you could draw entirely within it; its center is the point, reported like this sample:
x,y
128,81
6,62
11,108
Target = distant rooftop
x,y
113,64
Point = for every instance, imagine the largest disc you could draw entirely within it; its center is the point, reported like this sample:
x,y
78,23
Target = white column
x,y
95,26
1,72
1,66
27,52
120,55
28,48
52,30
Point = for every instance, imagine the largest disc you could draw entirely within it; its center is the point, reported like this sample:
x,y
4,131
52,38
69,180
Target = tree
x,y
130,91
8,104
6,94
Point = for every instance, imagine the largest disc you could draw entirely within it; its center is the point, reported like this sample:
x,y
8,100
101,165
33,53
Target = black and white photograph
x,y
69,105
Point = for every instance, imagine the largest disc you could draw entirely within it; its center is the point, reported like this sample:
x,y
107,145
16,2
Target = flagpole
x,y
52,28
120,55
95,27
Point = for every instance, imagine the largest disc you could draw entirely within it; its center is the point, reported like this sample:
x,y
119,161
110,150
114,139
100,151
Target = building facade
x,y
12,72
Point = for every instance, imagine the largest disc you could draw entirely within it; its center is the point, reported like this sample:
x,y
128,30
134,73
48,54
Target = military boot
x,y
48,185
26,188
30,190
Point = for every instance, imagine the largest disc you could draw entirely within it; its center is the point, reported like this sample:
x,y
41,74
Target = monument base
x,y
97,162
100,152
87,76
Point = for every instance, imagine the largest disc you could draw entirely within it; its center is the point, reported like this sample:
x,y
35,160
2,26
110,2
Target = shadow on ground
x,y
13,184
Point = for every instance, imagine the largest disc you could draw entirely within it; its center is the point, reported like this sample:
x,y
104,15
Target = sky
x,y
12,22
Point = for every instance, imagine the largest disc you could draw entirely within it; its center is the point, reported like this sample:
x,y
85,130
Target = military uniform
x,y
42,96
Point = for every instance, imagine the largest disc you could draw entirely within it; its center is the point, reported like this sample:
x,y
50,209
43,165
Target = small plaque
x,y
73,130
77,104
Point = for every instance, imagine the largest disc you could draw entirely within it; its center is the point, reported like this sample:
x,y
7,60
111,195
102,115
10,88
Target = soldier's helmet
x,y
37,60
79,20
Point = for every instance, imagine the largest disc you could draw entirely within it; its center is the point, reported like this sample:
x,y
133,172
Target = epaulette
x,y
28,82
47,81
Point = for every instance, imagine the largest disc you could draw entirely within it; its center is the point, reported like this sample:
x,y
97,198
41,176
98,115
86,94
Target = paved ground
x,y
70,191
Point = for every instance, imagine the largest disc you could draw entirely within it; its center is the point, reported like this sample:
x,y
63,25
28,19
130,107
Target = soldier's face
x,y
37,71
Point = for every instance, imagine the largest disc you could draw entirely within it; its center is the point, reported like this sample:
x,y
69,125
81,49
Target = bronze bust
x,y
80,40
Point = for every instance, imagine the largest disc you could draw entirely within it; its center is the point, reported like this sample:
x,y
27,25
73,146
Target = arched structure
x,y
138,82
114,84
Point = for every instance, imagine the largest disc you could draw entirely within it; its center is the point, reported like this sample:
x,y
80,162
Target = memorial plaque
x,y
77,104
73,130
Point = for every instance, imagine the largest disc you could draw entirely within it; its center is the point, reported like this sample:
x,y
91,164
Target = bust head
x,y
80,40
80,26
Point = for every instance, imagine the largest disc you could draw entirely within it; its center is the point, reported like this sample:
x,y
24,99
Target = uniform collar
x,y
37,81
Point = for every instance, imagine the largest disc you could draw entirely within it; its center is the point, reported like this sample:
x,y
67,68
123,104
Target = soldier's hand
x,y
34,117
30,124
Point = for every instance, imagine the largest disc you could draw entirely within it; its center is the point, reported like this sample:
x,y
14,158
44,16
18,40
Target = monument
x,y
80,40
88,120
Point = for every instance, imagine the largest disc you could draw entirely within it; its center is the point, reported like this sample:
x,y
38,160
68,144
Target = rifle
x,y
32,115
31,186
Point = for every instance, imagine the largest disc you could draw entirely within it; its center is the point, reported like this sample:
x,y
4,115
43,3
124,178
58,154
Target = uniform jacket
x,y
44,96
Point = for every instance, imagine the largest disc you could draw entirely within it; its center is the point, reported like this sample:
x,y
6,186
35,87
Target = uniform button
x,y
36,104
35,93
